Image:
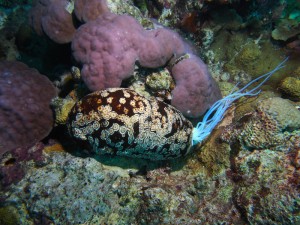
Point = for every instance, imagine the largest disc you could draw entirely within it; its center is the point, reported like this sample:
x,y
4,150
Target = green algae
x,y
9,215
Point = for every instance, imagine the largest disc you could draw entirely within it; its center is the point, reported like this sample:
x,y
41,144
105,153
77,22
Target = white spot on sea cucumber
x,y
122,100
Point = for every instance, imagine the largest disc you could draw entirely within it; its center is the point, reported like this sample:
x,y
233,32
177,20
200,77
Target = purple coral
x,y
109,47
86,10
195,89
106,50
53,18
25,114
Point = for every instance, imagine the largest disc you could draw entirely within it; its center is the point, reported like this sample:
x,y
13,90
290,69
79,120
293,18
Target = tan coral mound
x,y
291,87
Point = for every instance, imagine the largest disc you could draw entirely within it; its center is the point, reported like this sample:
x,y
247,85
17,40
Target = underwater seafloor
x,y
247,171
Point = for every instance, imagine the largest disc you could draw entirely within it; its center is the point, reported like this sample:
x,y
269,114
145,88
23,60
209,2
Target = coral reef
x,y
249,105
101,194
249,55
161,80
286,29
282,111
213,158
245,171
226,88
64,182
121,122
90,10
25,98
160,84
84,190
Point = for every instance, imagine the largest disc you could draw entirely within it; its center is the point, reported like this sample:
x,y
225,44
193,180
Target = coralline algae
x,y
121,122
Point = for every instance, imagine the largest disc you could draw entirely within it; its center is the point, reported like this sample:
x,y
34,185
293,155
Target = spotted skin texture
x,y
121,122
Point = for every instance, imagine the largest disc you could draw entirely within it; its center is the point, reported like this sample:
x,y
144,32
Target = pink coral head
x,y
109,47
53,18
86,10
25,113
195,89
158,46
35,17
106,49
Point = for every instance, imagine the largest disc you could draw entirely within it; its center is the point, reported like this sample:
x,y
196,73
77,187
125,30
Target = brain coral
x,y
121,122
25,114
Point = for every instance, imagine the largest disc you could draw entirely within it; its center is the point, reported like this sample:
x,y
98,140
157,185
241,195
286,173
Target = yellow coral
x,y
54,148
249,54
62,107
291,87
64,112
